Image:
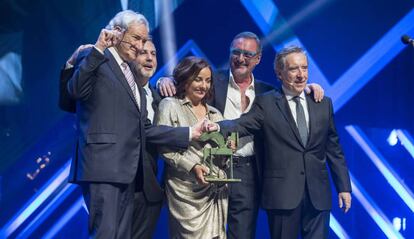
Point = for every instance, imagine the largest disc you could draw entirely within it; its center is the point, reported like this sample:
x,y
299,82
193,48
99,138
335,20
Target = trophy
x,y
219,156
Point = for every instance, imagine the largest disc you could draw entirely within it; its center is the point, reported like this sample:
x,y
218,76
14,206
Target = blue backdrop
x,y
355,54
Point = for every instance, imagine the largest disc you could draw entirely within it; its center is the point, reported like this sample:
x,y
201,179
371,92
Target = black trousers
x,y
243,200
305,219
145,216
110,207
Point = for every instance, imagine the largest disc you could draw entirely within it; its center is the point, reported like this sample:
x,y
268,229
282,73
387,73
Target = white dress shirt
x,y
292,105
150,99
233,111
120,61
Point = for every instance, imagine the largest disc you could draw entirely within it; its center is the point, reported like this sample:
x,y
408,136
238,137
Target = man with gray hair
x,y
235,90
300,144
112,126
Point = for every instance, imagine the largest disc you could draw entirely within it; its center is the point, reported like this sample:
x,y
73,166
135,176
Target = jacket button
x,y
302,173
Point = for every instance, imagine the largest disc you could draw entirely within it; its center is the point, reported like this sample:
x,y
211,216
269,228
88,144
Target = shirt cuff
x,y
68,66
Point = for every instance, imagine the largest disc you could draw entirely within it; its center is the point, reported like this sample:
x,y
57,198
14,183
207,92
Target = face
x,y
243,57
198,88
146,61
295,74
133,41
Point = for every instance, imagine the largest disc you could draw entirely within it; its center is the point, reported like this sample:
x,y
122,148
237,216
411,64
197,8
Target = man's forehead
x,y
138,27
149,46
244,41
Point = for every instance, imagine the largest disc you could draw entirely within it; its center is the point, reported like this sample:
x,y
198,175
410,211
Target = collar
x,y
146,86
233,83
186,101
290,94
117,57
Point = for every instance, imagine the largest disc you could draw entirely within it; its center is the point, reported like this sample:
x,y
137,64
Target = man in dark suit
x,y
300,141
234,92
149,195
112,126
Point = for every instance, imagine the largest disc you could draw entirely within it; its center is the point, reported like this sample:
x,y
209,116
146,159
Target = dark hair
x,y
249,35
280,58
186,71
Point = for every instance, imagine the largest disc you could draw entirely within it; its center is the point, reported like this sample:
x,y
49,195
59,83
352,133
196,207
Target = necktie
x,y
150,100
301,121
131,82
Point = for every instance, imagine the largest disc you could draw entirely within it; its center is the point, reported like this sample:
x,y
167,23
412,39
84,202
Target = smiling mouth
x,y
148,67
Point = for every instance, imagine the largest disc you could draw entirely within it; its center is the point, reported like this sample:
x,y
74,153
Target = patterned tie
x,y
301,121
131,82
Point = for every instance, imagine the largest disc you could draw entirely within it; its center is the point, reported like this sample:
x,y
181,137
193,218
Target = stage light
x,y
399,223
393,139
406,141
382,165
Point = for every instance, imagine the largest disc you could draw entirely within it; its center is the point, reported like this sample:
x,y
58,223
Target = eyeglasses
x,y
246,54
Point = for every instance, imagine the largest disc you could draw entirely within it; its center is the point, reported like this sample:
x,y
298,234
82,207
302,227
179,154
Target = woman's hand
x,y
199,172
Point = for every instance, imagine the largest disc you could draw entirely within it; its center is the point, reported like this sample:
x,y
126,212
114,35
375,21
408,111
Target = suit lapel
x,y
221,85
283,105
312,108
120,76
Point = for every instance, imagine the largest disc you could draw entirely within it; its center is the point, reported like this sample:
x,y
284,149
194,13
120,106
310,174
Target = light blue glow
x,y
64,219
373,210
41,196
337,228
189,47
382,165
376,58
406,141
47,211
264,12
361,72
392,138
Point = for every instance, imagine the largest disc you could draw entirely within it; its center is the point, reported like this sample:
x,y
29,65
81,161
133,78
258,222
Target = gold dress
x,y
195,211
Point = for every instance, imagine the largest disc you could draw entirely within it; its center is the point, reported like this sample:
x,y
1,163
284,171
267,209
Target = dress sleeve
x,y
168,114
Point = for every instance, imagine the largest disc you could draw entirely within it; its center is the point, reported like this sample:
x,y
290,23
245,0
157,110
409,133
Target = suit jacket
x,y
112,128
288,164
66,103
153,192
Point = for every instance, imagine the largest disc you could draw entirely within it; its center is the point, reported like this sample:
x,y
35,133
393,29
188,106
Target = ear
x,y
118,29
259,57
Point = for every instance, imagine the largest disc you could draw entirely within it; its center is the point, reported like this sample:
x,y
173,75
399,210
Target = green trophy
x,y
219,156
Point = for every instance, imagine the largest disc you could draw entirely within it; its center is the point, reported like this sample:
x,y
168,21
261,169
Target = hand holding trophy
x,y
219,156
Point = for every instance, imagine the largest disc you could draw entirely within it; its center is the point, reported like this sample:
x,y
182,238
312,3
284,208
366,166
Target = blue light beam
x,y
382,165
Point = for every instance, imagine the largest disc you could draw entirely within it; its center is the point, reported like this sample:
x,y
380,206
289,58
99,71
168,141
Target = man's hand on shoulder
x,y
318,92
166,86
72,60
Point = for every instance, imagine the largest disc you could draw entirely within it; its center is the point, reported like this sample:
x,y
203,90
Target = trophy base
x,y
222,180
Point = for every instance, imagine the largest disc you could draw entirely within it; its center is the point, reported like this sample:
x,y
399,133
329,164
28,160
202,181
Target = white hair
x,y
125,18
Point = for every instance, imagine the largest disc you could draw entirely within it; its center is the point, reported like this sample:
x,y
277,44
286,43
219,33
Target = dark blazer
x,y
66,103
112,129
288,164
151,188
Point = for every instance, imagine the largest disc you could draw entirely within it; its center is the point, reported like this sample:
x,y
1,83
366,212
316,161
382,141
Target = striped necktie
x,y
131,82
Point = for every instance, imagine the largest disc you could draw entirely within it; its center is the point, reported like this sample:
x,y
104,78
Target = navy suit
x,y
293,171
244,196
149,195
112,134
